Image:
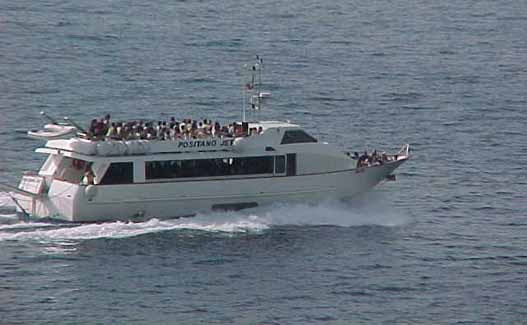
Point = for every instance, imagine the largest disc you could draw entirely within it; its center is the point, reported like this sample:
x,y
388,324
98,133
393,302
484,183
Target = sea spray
x,y
369,209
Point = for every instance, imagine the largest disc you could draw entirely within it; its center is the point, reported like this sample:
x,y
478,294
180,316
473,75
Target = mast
x,y
244,85
252,87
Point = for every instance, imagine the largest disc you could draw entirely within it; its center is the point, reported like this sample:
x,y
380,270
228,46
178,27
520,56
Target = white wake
x,y
247,221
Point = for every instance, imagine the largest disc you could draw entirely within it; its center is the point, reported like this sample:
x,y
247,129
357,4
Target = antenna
x,y
253,86
244,86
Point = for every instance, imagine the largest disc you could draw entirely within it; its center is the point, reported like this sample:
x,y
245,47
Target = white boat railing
x,y
404,151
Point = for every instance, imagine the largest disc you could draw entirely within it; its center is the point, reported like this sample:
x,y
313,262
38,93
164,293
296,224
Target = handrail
x,y
16,189
404,151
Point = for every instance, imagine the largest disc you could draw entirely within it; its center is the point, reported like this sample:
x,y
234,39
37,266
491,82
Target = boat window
x,y
119,173
291,164
279,164
297,136
209,167
71,170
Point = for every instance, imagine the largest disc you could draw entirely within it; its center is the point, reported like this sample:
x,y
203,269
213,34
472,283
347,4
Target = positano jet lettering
x,y
203,143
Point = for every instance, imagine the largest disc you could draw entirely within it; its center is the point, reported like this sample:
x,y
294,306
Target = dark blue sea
x,y
444,244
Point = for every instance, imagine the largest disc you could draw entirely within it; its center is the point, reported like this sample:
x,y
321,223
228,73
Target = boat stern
x,y
35,201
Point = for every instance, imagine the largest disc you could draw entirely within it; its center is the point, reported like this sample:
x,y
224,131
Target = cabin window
x,y
291,164
71,170
279,164
119,173
297,136
209,167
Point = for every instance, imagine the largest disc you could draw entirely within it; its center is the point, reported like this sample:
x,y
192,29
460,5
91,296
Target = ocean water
x,y
445,243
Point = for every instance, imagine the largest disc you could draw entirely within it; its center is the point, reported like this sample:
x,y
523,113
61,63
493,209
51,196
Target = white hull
x,y
95,203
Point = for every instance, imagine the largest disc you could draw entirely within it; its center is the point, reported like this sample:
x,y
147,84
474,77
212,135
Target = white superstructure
x,y
140,179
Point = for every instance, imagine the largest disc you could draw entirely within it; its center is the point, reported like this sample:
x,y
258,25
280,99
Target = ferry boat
x,y
87,179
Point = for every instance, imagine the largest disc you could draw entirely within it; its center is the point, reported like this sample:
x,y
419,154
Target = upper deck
x,y
251,136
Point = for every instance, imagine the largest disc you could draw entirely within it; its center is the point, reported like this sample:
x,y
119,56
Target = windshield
x,y
72,170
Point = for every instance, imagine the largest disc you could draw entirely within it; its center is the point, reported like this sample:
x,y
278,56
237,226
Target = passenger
x,y
112,131
91,129
374,158
359,163
195,133
377,159
141,134
151,130
89,177
260,130
132,134
124,132
182,130
363,160
163,131
150,136
204,131
175,132
216,130
106,120
99,130
158,129
119,130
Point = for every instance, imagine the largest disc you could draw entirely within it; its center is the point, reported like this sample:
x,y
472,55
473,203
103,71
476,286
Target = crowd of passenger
x,y
375,158
105,129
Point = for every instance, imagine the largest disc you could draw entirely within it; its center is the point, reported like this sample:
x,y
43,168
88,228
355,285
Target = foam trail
x,y
131,229
25,225
358,213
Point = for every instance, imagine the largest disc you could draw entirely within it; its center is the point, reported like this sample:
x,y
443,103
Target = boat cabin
x,y
270,152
